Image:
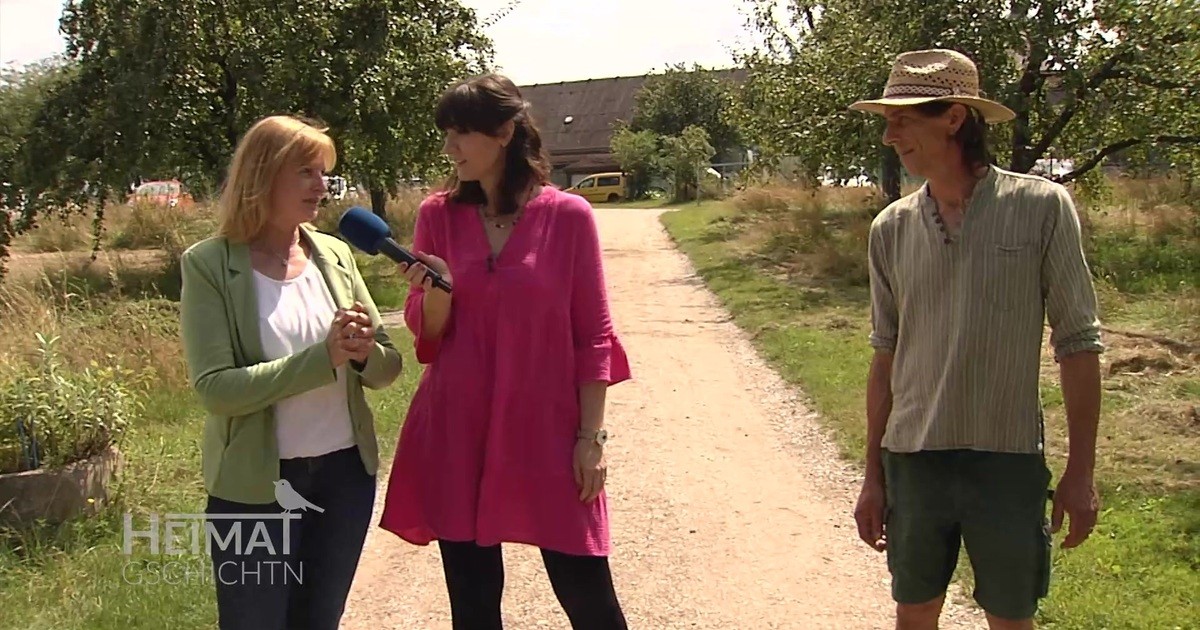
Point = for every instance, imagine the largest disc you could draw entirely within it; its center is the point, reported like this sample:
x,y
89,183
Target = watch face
x,y
601,437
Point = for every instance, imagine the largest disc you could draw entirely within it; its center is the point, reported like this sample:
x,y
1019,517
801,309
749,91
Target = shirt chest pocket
x,y
1007,274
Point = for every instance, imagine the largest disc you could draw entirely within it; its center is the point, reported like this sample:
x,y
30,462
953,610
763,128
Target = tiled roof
x,y
593,105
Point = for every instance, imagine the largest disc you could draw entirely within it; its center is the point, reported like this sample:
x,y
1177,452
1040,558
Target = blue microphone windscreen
x,y
363,228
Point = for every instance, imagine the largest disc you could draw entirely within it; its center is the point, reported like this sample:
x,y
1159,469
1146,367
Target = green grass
x,y
71,576
388,288
1141,567
1135,263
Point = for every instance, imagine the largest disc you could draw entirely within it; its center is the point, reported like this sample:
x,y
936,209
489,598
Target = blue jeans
x,y
269,578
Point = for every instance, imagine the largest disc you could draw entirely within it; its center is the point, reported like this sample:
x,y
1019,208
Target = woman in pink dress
x,y
504,439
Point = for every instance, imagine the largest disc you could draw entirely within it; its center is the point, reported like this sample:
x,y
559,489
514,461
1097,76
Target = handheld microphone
x,y
371,234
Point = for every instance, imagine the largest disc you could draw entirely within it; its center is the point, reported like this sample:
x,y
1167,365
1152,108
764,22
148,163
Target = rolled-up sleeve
x,y
885,318
1067,288
599,355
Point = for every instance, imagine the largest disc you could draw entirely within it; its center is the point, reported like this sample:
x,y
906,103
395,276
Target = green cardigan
x,y
236,384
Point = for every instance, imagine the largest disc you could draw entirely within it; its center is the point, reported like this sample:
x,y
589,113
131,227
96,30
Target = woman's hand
x,y
351,335
358,334
416,273
590,469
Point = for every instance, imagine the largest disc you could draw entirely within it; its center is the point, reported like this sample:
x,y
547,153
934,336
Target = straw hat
x,y
935,75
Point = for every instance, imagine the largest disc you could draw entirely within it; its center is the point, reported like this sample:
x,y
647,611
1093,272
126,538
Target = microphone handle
x,y
391,249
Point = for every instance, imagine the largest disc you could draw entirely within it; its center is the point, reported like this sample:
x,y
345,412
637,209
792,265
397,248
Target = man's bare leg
x,y
998,623
919,616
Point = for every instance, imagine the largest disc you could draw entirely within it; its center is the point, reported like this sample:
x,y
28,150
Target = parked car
x,y
171,193
609,187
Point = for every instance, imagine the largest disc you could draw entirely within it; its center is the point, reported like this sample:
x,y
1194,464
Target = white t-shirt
x,y
293,315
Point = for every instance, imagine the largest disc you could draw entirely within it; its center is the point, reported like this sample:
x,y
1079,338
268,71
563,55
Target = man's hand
x,y
868,514
1076,493
1076,497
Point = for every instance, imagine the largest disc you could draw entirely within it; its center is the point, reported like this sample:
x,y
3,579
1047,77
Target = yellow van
x,y
607,187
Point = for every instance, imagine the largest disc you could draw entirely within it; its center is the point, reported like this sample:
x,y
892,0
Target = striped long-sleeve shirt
x,y
964,318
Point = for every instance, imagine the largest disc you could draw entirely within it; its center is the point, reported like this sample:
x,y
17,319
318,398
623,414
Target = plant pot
x,y
58,494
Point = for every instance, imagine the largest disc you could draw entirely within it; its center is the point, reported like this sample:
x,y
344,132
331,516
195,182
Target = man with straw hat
x,y
962,273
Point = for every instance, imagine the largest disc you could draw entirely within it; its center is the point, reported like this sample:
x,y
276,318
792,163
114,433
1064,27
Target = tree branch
x,y
1121,146
1031,81
1149,81
809,21
1102,74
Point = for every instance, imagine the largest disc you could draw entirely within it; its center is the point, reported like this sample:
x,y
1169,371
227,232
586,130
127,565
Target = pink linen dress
x,y
485,453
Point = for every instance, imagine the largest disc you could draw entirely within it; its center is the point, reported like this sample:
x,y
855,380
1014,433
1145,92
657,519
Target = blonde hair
x,y
270,144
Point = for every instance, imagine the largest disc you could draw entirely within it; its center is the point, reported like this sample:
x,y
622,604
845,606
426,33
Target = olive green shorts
x,y
994,503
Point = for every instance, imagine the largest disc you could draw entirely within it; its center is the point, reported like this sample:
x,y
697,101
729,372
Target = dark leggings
x,y
475,581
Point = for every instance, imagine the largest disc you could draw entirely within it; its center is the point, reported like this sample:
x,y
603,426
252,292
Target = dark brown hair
x,y
483,104
971,136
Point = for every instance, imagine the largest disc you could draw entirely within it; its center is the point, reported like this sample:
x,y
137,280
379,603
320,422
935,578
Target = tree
x,y
166,89
23,91
669,103
1088,79
640,155
408,53
686,155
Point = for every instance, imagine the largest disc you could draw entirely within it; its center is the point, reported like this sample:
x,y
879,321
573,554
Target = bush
x,y
55,416
146,226
820,233
400,213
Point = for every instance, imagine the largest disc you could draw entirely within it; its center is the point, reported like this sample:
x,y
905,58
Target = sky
x,y
539,41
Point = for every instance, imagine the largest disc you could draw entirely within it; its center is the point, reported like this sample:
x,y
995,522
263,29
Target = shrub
x,y
820,233
400,213
54,416
145,226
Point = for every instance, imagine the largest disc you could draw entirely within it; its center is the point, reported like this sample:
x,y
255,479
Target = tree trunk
x,y
1022,161
890,175
379,202
6,233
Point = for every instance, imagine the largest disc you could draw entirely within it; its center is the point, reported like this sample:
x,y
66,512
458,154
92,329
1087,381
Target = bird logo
x,y
290,500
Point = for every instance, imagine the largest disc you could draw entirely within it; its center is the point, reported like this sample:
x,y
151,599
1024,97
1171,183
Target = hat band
x,y
910,91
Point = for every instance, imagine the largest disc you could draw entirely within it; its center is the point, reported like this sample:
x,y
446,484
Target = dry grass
x,y
57,234
401,211
138,226
140,336
1157,208
147,226
779,195
1150,430
808,234
120,308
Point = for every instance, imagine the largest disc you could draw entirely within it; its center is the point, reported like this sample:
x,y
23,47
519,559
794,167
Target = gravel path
x,y
730,507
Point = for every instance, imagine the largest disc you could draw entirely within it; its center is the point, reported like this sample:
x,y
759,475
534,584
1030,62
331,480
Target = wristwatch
x,y
598,437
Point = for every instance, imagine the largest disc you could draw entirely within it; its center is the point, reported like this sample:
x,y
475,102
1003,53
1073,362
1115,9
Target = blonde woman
x,y
281,336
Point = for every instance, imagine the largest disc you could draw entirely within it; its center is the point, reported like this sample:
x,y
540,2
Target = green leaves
x,y
166,89
54,417
669,103
1090,80
640,155
646,155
